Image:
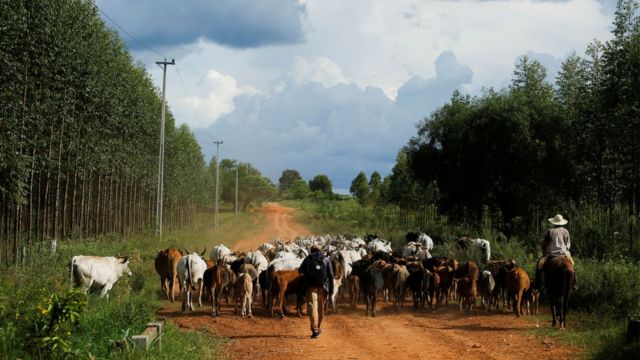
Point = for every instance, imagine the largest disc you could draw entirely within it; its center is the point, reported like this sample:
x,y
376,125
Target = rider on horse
x,y
555,242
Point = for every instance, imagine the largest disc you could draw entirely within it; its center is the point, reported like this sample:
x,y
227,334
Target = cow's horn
x,y
203,251
187,251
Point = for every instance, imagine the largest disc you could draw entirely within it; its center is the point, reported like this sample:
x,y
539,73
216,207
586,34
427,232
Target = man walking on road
x,y
317,276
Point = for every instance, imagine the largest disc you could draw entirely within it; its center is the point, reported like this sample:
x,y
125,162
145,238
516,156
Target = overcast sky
x,y
334,86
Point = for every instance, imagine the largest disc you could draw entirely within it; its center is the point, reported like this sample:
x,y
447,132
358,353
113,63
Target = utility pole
x,y
163,65
237,166
218,143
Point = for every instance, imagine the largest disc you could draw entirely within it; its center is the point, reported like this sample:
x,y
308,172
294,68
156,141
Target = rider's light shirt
x,y
556,242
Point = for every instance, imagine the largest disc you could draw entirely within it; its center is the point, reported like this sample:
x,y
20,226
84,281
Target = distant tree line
x,y
291,185
79,125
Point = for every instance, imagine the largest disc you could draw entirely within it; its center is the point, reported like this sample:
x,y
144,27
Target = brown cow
x,y
446,274
218,279
517,283
433,291
466,293
166,264
286,282
468,287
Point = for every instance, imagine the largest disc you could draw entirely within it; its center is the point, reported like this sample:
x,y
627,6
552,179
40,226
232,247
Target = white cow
x,y
416,249
218,253
190,272
426,241
379,245
257,259
284,264
265,247
284,255
103,271
483,245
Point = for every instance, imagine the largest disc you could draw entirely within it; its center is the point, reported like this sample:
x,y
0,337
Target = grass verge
x,y
40,317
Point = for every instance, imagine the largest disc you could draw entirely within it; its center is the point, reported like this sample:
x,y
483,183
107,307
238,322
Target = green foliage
x,y
44,330
299,189
608,286
321,183
288,180
360,188
253,188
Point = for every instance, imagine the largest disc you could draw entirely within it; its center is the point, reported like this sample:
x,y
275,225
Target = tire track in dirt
x,y
280,224
424,334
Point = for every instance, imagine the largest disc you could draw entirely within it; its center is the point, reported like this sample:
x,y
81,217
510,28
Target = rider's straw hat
x,y
558,220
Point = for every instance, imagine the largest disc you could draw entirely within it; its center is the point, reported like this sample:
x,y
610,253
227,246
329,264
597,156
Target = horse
x,y
558,279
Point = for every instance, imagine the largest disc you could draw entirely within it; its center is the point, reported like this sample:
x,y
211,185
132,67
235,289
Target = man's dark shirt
x,y
307,263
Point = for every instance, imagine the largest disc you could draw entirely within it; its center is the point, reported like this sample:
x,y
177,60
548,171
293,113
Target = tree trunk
x,y
73,201
56,209
45,206
97,216
65,198
31,175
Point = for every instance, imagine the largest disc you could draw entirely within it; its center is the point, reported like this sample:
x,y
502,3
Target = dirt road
x,y
444,334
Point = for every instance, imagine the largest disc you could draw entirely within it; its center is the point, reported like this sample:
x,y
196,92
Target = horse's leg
x,y
552,301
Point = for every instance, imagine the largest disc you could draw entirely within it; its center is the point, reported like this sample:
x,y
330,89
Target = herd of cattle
x,y
364,269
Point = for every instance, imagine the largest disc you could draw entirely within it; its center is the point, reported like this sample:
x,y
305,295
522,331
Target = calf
x,y
486,285
286,282
243,292
87,271
532,299
517,283
166,264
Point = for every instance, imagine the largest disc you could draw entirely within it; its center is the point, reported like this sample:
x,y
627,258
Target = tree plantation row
x,y
80,123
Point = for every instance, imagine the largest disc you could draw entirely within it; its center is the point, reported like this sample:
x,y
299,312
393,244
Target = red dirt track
x,y
442,334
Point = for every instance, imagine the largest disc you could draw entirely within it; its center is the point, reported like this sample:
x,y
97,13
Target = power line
x,y
129,34
184,88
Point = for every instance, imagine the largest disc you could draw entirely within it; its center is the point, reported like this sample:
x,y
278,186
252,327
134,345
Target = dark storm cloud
x,y
233,23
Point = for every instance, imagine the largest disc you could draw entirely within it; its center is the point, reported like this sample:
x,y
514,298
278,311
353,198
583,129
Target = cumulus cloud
x,y
337,130
218,91
233,23
317,68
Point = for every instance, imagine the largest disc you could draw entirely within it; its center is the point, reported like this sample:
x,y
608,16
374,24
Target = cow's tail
x,y
342,262
71,265
189,276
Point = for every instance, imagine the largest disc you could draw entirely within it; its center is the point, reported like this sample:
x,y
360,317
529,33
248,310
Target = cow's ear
x,y
124,260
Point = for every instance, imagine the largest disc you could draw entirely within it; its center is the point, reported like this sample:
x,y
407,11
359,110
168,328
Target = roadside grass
x,y
609,289
27,290
600,337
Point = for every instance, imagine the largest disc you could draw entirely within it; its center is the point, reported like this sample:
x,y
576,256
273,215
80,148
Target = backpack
x,y
316,272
